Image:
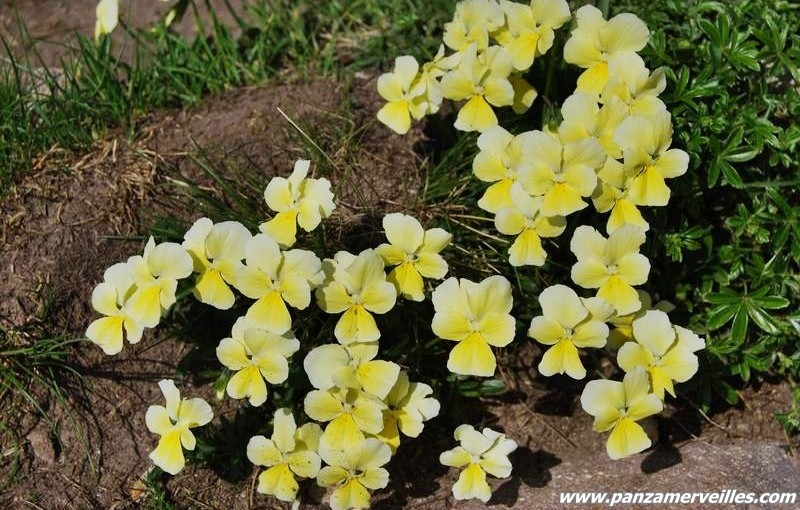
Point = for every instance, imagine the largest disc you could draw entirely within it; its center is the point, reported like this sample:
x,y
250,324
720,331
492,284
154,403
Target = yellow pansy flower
x,y
611,195
584,118
665,351
156,274
525,220
617,406
476,315
480,80
501,159
595,42
405,95
622,325
472,22
217,252
109,298
530,28
634,85
356,285
431,73
172,423
254,355
648,159
274,278
481,453
107,13
351,366
289,453
298,200
409,405
414,251
353,472
351,413
562,173
565,325
613,265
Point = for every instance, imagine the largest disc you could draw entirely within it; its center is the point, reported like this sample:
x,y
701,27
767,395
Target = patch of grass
x,y
95,90
34,373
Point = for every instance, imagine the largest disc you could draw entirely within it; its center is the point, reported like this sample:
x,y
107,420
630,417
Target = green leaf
x,y
742,154
763,320
739,327
720,315
492,387
723,298
731,175
772,302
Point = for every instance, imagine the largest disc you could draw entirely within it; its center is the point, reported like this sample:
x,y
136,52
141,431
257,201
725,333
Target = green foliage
x,y
732,88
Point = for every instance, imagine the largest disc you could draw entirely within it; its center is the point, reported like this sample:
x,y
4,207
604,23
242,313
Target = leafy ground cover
x,y
95,187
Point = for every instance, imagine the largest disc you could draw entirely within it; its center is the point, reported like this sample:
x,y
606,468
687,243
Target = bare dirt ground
x,y
51,25
74,215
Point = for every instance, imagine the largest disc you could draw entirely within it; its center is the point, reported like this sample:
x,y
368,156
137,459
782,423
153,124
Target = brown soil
x,y
50,26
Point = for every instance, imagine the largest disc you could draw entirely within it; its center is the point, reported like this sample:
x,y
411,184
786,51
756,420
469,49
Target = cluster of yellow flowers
x,y
365,403
612,147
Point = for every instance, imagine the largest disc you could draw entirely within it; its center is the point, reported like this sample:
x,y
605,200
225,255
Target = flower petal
x,y
472,356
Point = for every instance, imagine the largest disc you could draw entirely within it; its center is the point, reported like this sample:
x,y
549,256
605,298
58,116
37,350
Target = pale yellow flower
x,y
405,95
612,195
613,265
298,200
415,253
172,423
408,407
353,472
351,366
524,219
665,351
481,453
274,278
622,325
254,355
217,252
107,13
595,42
648,159
562,173
524,93
501,159
584,118
617,406
472,22
352,413
530,28
634,85
476,315
109,298
156,274
481,80
565,325
356,285
289,453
